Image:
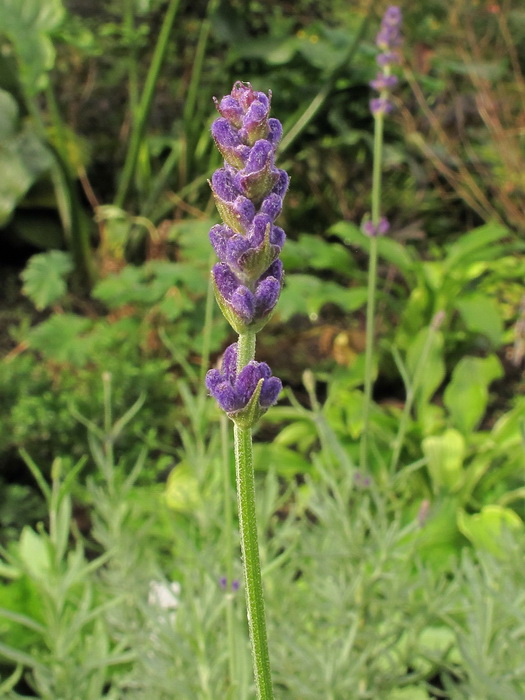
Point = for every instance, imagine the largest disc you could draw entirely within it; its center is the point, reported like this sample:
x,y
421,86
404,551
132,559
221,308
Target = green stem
x,y
129,29
146,100
372,284
249,540
228,547
245,349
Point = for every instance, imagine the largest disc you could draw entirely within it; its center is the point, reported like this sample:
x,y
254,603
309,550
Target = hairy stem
x,y
249,540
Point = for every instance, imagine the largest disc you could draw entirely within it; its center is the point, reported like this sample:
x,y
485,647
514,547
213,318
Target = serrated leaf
x,y
61,338
44,275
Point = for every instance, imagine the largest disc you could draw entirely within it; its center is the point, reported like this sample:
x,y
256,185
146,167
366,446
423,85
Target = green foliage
x,y
23,157
408,577
43,278
29,24
466,396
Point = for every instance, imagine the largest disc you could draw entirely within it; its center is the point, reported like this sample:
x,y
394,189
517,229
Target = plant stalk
x,y
228,546
372,284
249,540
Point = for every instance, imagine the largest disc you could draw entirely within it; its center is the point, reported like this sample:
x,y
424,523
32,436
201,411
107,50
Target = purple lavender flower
x,y
372,231
243,395
388,40
223,584
249,192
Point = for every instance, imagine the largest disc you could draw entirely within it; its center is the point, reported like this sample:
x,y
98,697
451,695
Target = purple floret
x,y
233,390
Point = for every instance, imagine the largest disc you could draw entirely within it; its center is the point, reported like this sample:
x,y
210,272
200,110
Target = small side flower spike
x,y
246,395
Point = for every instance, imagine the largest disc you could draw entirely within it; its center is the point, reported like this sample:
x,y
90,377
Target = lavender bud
x,y
246,395
383,226
389,36
369,229
380,105
388,40
384,82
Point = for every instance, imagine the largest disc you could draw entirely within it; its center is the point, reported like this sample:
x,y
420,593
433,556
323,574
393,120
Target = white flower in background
x,y
165,596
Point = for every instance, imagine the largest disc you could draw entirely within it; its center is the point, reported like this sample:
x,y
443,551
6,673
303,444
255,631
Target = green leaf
x,y
317,253
306,294
425,364
23,157
61,338
44,275
388,249
8,115
182,489
445,454
484,529
480,314
467,395
34,553
283,461
475,246
28,24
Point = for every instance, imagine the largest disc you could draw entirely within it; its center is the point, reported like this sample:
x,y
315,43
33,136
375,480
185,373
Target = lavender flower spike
x,y
249,192
243,395
388,40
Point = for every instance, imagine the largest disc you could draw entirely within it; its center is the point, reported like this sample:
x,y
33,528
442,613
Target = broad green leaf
x,y
306,294
484,529
438,540
445,454
34,553
480,314
388,249
475,246
314,252
28,25
23,157
44,275
283,461
182,489
467,395
425,364
8,115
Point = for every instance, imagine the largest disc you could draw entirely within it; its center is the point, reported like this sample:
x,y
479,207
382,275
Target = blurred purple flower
x,y
382,227
388,40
